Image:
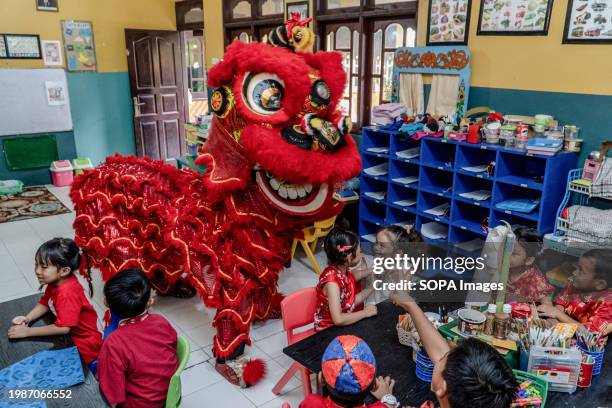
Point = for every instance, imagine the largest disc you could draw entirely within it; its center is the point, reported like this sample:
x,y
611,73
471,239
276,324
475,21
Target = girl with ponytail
x,y
55,263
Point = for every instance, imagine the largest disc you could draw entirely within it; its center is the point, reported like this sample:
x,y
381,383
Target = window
x,y
345,39
242,10
194,76
336,4
189,15
388,36
251,20
272,7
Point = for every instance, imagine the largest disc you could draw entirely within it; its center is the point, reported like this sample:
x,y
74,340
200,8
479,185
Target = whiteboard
x,y
24,106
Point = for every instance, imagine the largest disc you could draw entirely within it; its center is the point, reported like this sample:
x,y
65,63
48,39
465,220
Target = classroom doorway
x,y
156,82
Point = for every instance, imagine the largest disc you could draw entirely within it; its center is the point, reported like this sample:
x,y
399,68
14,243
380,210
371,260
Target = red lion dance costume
x,y
276,148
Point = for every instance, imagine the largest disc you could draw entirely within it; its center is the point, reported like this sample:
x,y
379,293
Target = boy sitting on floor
x,y
138,359
348,375
471,375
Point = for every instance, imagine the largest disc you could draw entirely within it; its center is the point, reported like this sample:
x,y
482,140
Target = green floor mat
x,y
24,153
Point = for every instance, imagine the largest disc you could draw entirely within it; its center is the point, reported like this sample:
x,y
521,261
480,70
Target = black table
x,y
86,395
395,360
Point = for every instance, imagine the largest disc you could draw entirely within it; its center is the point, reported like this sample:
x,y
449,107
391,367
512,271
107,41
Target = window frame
x,y
251,25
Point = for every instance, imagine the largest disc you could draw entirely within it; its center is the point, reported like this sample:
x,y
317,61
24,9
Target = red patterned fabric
x,y
227,232
317,401
346,283
593,310
530,286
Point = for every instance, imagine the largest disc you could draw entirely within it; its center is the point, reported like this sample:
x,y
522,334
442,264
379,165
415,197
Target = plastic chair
x,y
286,405
173,400
298,310
311,236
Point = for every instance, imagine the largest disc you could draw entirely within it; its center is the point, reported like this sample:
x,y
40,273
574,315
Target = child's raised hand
x,y
19,332
17,320
370,310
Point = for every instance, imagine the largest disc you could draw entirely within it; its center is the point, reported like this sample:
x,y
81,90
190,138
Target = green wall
x,y
102,114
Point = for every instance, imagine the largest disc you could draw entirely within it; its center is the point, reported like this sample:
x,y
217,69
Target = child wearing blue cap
x,y
348,374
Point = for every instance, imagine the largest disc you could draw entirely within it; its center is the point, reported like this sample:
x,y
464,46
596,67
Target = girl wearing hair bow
x,y
336,294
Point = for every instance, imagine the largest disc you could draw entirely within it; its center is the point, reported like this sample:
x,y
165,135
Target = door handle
x,y
137,106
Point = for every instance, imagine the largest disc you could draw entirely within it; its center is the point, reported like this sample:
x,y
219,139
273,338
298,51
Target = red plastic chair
x,y
298,310
286,405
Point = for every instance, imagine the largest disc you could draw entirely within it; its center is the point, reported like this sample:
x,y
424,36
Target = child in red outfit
x,y
526,282
336,293
56,261
588,300
348,375
138,359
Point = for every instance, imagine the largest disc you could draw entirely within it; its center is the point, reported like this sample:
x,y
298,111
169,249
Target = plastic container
x,y
559,366
61,173
539,382
8,187
597,355
80,165
424,366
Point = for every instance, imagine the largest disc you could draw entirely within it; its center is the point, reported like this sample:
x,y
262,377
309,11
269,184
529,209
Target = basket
x,y
540,383
9,187
597,356
424,367
405,338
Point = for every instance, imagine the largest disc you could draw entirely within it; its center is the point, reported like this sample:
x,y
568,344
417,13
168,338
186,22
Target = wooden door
x,y
155,70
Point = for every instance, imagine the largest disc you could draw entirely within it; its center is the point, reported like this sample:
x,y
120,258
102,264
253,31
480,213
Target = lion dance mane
x,y
276,148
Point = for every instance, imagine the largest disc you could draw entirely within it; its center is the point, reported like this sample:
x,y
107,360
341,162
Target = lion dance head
x,y
277,122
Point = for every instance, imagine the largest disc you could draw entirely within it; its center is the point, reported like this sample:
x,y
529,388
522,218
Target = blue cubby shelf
x,y
438,176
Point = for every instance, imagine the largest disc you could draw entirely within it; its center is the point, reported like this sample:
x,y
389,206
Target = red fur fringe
x,y
253,371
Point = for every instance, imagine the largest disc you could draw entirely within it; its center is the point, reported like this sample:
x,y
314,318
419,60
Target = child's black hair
x,y
477,376
339,244
530,239
403,236
62,253
344,399
127,293
602,260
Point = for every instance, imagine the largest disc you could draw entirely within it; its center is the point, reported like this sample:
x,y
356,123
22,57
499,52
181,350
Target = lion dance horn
x,y
294,34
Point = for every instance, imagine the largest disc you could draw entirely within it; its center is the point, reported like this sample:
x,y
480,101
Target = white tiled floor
x,y
202,385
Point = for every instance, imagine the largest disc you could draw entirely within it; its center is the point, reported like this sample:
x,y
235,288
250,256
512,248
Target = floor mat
x,y
33,202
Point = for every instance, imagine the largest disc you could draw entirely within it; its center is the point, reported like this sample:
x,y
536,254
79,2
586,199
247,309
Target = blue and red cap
x,y
348,365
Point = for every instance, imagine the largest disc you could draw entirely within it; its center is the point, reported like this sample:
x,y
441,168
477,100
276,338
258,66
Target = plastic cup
x,y
586,373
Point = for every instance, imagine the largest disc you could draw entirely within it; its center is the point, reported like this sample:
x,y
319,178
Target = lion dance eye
x,y
263,92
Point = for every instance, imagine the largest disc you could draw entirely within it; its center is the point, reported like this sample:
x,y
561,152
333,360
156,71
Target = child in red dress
x,y
138,359
526,282
588,300
336,292
348,375
56,261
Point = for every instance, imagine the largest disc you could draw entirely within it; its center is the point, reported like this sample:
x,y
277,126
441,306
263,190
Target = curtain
x,y
411,93
443,95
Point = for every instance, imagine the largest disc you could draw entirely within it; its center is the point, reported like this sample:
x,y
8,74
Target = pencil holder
x,y
597,355
424,367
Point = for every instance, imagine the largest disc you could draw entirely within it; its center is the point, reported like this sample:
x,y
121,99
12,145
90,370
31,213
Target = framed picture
x,y
448,22
588,22
300,7
79,47
52,53
3,53
46,5
514,17
22,46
